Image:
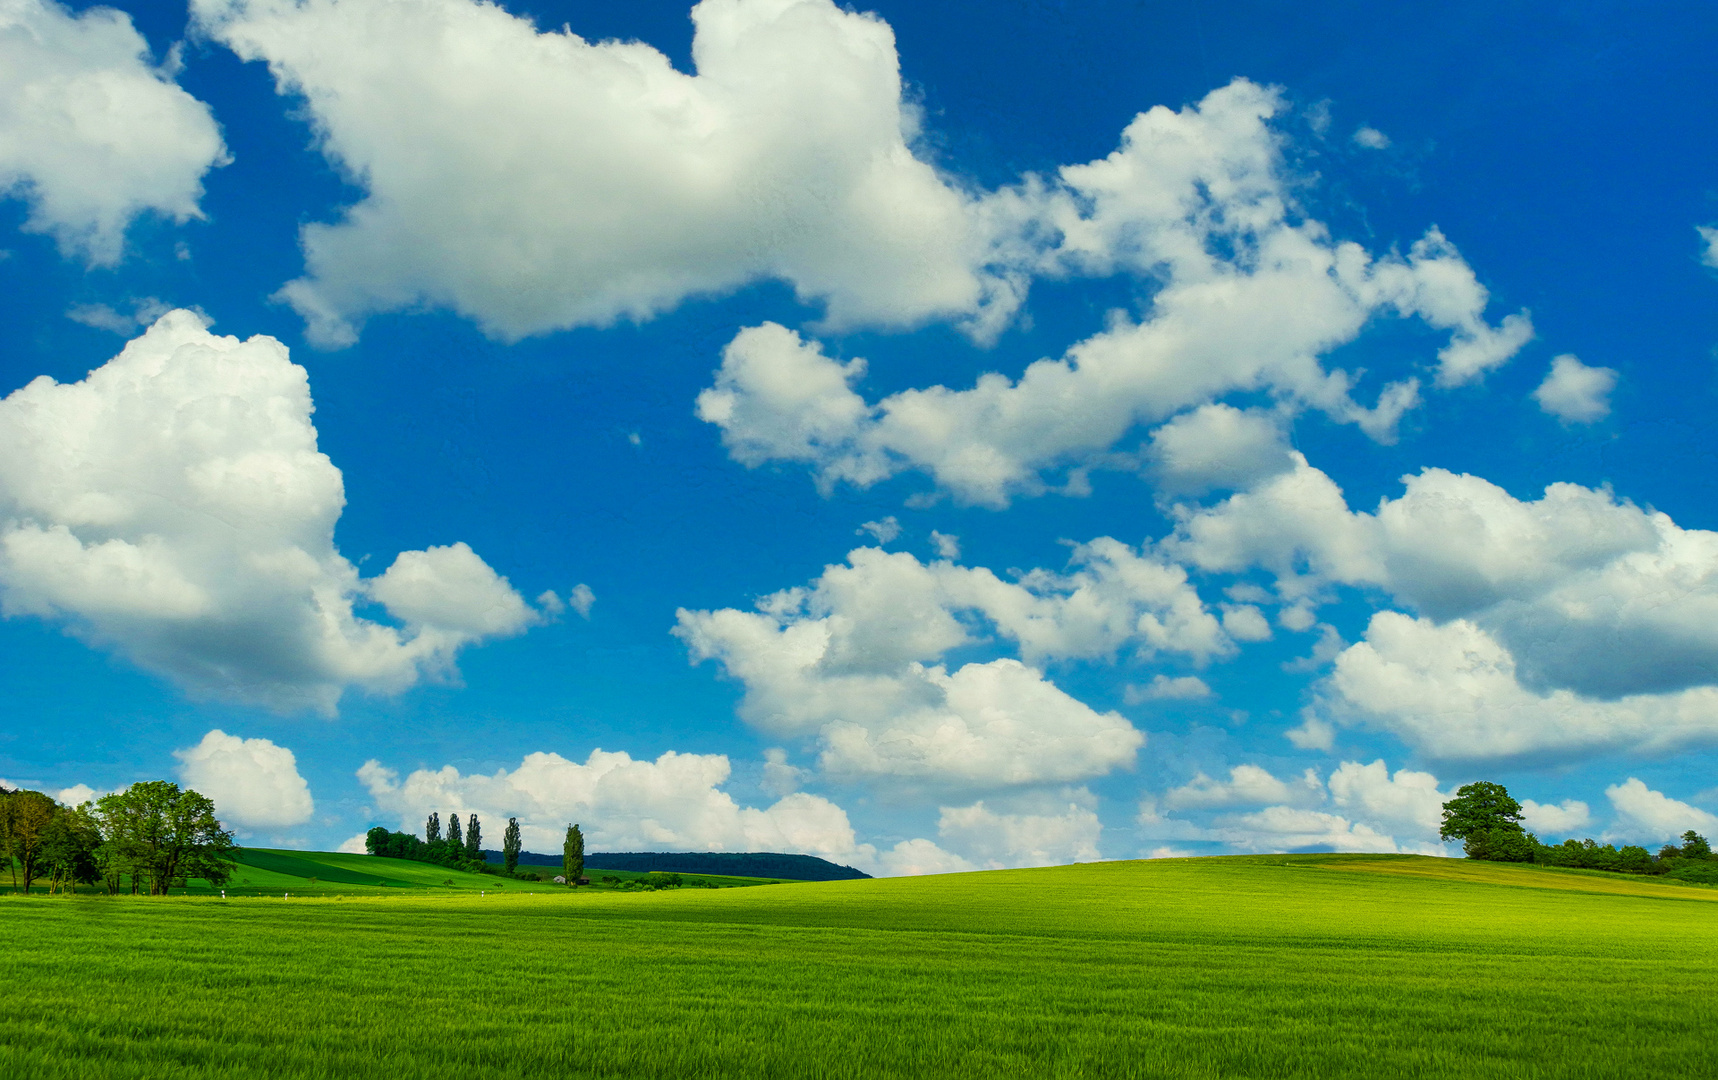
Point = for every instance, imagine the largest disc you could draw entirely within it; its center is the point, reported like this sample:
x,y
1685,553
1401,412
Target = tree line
x,y
150,837
1488,822
462,849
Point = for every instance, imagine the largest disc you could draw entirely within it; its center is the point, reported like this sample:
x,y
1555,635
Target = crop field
x,y
1267,966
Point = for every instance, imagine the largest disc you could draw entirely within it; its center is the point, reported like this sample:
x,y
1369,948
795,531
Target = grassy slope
x,y
1315,966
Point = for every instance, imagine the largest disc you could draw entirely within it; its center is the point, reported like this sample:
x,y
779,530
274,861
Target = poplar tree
x,y
432,829
454,840
510,845
473,839
573,855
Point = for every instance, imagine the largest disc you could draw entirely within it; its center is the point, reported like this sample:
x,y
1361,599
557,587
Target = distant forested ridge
x,y
761,864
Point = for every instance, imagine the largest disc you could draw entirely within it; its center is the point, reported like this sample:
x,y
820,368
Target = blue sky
x,y
926,436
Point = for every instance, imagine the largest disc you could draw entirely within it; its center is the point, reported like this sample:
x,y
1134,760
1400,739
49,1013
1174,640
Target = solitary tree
x,y
510,845
432,829
573,855
473,839
1488,821
454,840
1694,846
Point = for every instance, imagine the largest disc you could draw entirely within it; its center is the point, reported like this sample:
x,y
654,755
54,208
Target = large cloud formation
x,y
1253,810
536,181
1570,624
1249,296
676,803
854,662
173,505
92,133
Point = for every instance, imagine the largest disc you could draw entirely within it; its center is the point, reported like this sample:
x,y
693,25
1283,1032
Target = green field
x,y
1269,966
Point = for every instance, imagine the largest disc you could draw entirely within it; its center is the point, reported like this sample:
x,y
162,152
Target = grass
x,y
1279,966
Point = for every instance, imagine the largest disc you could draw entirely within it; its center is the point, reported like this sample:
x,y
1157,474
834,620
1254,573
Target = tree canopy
x,y
162,834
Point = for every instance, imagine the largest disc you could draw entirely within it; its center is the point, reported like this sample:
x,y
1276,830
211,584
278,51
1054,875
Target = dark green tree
x,y
573,855
510,845
69,846
455,841
162,834
1694,846
24,819
473,838
432,829
1488,820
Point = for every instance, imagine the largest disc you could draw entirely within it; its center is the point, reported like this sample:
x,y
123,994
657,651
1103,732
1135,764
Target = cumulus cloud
x,y
1049,837
536,181
254,783
1371,138
1451,691
1217,446
853,662
1552,820
1379,811
1247,785
675,803
1652,817
173,506
1587,592
1575,393
92,132
1165,688
1249,295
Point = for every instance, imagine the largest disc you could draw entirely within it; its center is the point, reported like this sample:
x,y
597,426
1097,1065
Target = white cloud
x,y
1371,138
581,599
1575,393
535,181
353,845
174,506
852,661
881,531
998,840
1247,785
675,803
1587,592
1286,828
76,795
947,547
1407,803
254,783
780,777
1250,295
1164,688
92,133
144,310
1452,693
1217,446
1652,817
1552,820
1709,240
1379,811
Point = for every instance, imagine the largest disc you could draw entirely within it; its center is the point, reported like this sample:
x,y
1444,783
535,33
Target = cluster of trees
x,y
462,849
150,837
1488,822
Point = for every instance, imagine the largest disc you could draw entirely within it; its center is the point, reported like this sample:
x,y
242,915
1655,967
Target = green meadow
x,y
1268,966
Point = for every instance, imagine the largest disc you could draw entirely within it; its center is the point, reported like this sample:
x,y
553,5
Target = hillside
x,y
756,864
1268,966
